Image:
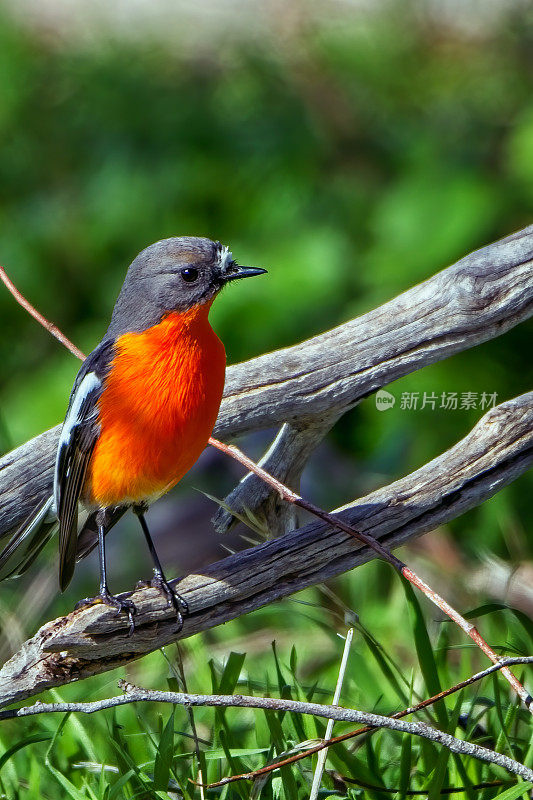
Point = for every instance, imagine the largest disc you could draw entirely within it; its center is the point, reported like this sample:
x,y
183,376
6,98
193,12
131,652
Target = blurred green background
x,y
353,151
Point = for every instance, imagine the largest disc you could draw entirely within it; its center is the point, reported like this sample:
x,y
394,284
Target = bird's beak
x,y
235,272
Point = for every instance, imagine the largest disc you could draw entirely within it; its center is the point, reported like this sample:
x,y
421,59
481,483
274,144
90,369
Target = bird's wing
x,y
28,540
76,443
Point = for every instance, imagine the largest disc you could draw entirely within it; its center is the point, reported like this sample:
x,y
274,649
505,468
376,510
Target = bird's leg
x,y
159,581
105,596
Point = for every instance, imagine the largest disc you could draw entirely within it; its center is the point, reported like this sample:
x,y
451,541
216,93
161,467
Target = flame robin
x,y
141,411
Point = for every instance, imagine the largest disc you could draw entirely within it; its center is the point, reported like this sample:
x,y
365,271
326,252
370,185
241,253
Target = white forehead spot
x,y
225,257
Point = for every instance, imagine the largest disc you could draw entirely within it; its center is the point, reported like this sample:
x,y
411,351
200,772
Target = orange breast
x,y
158,408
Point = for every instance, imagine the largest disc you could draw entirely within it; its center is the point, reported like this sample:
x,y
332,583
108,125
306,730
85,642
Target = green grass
x,y
399,655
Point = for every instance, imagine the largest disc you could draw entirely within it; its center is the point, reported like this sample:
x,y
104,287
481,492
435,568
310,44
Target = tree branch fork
x,y
308,388
94,639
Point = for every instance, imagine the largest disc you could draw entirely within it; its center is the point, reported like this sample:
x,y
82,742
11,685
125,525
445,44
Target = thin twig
x,y
50,327
332,519
135,694
322,756
368,729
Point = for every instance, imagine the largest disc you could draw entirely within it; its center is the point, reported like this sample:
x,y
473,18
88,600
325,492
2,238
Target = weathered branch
x,y
136,695
483,295
285,459
381,551
93,640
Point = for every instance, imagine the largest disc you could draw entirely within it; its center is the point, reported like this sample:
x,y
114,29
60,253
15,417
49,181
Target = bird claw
x,y
173,598
120,604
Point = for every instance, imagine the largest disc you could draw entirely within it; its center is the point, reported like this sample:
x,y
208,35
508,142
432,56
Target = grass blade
x,y
20,745
164,755
424,650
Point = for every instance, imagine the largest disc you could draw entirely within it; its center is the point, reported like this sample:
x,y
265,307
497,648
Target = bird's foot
x,y
173,598
122,605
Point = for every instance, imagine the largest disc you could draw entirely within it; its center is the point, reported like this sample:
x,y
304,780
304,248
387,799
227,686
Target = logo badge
x,y
384,400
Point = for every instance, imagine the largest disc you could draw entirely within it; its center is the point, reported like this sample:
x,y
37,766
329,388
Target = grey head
x,y
173,275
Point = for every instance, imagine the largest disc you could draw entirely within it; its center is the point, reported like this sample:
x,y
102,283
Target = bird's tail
x,y
28,540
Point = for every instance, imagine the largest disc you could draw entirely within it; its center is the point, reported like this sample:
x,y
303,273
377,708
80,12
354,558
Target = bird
x,y
141,411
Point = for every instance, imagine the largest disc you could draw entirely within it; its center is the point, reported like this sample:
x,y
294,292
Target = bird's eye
x,y
189,274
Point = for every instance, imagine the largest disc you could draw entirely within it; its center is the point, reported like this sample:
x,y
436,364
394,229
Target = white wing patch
x,y
73,418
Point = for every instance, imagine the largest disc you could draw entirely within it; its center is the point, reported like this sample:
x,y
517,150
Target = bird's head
x,y
174,274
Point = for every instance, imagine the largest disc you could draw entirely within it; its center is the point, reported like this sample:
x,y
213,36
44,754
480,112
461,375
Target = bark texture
x,y
305,389
479,297
93,640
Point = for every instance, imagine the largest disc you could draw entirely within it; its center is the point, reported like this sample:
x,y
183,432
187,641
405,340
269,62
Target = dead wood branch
x,y
335,522
94,640
134,694
483,295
